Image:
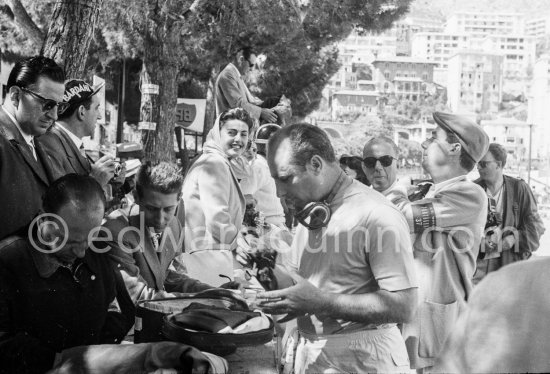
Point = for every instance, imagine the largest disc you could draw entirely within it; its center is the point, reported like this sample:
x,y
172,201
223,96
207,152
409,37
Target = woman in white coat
x,y
214,202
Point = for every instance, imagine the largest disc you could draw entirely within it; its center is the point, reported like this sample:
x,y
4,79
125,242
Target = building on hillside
x,y
538,104
481,24
510,133
366,85
437,46
405,77
417,132
475,82
405,28
538,27
519,53
344,77
356,53
353,101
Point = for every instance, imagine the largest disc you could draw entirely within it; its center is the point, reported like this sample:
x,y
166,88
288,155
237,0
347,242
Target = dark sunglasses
x,y
385,161
484,164
47,104
250,64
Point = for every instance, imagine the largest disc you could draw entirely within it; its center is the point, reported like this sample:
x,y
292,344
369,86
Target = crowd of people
x,y
377,275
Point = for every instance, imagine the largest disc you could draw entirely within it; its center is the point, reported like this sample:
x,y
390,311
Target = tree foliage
x,y
190,41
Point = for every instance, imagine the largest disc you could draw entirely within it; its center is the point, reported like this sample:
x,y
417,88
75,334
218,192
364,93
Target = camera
x,y
494,220
118,168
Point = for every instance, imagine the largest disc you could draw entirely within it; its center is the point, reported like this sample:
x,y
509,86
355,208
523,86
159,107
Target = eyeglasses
x,y
47,104
484,164
385,161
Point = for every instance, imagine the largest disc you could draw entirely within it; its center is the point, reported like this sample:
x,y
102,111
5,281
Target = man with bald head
x,y
57,297
380,167
351,259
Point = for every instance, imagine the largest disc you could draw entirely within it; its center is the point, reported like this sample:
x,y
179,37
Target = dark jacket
x,y
520,211
65,156
46,308
23,180
147,271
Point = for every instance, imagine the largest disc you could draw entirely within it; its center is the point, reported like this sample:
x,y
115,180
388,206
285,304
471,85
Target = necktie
x,y
33,150
82,151
155,239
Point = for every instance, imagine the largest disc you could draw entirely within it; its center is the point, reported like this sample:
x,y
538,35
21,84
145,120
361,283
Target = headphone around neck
x,y
317,214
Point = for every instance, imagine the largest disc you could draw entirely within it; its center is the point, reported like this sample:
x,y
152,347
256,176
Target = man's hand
x,y
302,298
250,200
268,115
508,242
232,285
103,170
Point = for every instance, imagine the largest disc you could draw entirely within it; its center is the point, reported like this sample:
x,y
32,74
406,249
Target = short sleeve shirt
x,y
365,247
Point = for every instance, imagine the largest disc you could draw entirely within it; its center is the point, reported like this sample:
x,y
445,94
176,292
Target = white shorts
x,y
370,351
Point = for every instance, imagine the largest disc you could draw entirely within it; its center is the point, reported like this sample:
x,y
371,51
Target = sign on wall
x,y
190,114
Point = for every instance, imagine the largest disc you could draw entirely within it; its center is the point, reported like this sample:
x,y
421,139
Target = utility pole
x,y
529,160
121,99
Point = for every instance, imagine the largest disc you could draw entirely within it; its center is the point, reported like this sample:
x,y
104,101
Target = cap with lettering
x,y
78,91
471,136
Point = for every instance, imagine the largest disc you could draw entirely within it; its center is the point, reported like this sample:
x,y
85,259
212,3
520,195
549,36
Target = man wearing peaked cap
x,y
63,140
447,226
470,135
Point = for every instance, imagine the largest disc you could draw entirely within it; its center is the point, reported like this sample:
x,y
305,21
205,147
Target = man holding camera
x,y
513,224
63,140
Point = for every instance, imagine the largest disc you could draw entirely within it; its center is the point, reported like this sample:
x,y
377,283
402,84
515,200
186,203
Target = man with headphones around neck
x,y
351,261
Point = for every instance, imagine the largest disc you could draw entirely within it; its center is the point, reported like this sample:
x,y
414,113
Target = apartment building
x,y
538,104
475,82
405,77
480,24
438,46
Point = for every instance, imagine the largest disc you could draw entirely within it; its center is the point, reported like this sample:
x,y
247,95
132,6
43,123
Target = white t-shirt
x,y
365,247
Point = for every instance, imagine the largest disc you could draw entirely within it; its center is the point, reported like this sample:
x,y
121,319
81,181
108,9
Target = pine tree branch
x,y
21,19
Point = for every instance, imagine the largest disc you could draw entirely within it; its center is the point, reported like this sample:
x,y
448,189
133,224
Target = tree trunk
x,y
70,33
210,115
22,19
163,65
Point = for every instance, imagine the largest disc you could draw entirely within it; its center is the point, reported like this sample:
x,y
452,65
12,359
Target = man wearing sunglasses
x,y
351,260
380,167
35,94
63,140
515,232
447,226
232,92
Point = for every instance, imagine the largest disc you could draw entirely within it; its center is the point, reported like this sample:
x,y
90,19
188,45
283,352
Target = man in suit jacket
x,y
144,239
231,91
35,91
63,140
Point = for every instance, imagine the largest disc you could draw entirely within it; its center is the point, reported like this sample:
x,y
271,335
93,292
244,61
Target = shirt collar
x,y
28,138
441,185
45,263
76,140
389,189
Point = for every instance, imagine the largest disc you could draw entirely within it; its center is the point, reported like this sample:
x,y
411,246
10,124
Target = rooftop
x,y
356,92
404,59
